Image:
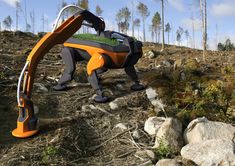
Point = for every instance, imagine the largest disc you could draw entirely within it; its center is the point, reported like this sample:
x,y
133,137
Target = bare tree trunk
x,y
32,17
43,23
168,37
144,29
172,34
204,26
193,31
205,31
159,34
138,33
163,30
26,21
62,3
152,35
216,34
17,17
47,24
156,33
132,18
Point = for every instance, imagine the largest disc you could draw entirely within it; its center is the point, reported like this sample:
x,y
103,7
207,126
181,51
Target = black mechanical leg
x,y
130,71
68,57
101,71
93,80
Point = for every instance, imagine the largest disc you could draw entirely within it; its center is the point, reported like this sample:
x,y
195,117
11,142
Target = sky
x,y
221,16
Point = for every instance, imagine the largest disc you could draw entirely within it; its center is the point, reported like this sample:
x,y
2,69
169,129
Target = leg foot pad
x,y
20,134
59,87
101,99
137,87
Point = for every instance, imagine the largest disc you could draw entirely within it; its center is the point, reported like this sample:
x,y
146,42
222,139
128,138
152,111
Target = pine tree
x,y
98,10
143,10
179,34
137,24
132,18
203,10
163,24
43,22
25,16
118,20
7,22
187,36
84,4
18,8
32,18
123,17
168,30
156,22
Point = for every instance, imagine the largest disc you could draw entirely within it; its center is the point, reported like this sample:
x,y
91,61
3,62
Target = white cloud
x,y
177,4
224,8
188,23
12,3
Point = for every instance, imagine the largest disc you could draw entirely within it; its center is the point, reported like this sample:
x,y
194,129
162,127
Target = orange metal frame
x,y
97,61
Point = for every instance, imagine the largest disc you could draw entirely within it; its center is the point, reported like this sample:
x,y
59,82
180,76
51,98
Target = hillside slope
x,y
77,131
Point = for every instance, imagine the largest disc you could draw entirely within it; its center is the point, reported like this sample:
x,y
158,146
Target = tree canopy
x,y
123,18
7,22
98,10
227,46
143,10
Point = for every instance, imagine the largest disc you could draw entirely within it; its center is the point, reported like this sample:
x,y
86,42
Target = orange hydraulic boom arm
x,y
27,123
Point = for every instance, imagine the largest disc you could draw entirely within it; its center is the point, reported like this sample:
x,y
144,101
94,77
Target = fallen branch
x,y
80,98
10,85
59,120
78,84
132,139
149,162
5,81
134,108
104,111
126,154
54,93
110,139
52,78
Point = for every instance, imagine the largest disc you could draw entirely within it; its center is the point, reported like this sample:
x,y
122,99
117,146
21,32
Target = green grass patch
x,y
164,150
48,153
2,75
95,38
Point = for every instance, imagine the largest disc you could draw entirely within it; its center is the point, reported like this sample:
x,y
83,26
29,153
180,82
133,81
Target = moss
x,y
95,38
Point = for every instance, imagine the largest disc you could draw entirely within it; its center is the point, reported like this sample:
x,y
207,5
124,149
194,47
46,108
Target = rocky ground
x,y
185,114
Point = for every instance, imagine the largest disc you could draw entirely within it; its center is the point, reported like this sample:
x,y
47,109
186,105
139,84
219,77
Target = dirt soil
x,y
74,130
